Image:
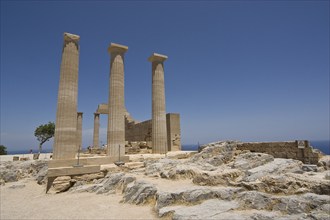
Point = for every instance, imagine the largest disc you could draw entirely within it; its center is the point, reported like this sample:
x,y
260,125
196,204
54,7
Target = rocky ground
x,y
219,182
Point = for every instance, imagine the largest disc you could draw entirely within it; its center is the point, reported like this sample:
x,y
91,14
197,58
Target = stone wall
x,y
288,150
173,132
138,132
141,131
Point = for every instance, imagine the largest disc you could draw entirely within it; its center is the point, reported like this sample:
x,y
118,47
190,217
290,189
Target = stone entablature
x,y
289,149
102,108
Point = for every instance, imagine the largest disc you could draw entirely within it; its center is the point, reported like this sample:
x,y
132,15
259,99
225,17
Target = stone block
x,y
24,158
69,171
15,158
36,156
85,161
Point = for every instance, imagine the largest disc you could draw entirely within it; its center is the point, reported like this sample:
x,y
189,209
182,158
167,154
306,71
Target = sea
x,y
323,146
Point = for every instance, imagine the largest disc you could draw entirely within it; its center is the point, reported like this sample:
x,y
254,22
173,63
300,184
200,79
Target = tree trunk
x,y
40,147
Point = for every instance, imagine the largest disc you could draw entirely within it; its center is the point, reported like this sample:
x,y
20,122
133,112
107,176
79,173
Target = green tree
x,y
44,133
3,150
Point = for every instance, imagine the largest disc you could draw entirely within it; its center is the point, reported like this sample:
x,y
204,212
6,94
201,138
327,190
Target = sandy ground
x,y
31,202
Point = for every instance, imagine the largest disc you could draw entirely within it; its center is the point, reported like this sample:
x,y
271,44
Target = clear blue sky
x,y
243,70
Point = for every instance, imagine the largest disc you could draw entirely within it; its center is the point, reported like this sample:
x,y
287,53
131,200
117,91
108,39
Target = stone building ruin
x,y
162,131
141,132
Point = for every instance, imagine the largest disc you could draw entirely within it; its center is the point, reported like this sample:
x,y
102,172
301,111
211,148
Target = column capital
x,y
156,57
117,48
71,37
80,113
96,113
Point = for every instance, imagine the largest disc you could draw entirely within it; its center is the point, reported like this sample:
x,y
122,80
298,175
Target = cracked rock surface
x,y
219,182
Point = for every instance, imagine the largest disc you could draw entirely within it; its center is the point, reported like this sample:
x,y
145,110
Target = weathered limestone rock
x,y
286,204
321,212
139,192
277,166
89,177
180,154
325,162
253,186
249,160
96,130
116,116
218,177
9,176
159,128
327,175
111,183
154,168
195,195
254,200
216,153
14,171
41,176
61,184
180,171
66,116
134,165
209,209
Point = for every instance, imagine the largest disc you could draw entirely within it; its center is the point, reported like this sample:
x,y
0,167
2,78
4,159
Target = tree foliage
x,y
44,133
3,150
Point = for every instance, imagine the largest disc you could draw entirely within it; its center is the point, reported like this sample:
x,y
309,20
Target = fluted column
x,y
65,140
116,120
159,131
79,130
96,133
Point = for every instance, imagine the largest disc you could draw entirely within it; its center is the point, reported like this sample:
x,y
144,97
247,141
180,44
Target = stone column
x,y
65,141
96,130
159,131
116,120
79,130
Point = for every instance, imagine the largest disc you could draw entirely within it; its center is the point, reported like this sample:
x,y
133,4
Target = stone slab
x,y
85,161
68,171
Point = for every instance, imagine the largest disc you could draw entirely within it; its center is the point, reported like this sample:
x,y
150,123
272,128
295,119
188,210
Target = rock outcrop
x,y
219,182
61,184
16,170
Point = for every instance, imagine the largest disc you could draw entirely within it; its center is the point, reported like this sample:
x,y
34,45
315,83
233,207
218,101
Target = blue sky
x,y
243,70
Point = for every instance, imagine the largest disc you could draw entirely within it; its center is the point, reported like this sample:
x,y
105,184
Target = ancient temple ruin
x,y
162,132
